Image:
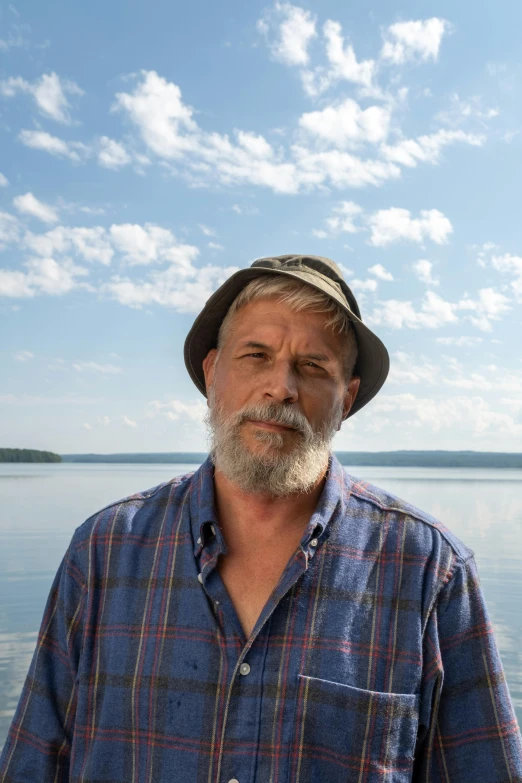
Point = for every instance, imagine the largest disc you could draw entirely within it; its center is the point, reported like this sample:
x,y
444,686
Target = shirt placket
x,y
242,711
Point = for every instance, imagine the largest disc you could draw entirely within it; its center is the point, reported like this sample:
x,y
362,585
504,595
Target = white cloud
x,y
406,368
23,356
418,40
363,285
168,128
168,288
209,232
137,244
310,160
347,124
346,272
343,64
489,305
150,243
463,341
86,210
4,182
9,229
176,409
244,209
49,93
294,29
13,34
473,414
396,314
14,284
423,270
180,285
340,168
342,220
40,140
128,422
30,205
86,426
50,277
379,271
112,154
215,246
44,276
98,369
428,148
507,264
396,224
386,226
463,110
164,121
92,244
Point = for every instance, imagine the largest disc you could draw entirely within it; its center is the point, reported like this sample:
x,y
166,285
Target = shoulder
x,y
128,514
423,530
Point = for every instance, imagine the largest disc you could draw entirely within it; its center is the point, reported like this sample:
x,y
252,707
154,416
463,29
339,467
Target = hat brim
x,y
373,362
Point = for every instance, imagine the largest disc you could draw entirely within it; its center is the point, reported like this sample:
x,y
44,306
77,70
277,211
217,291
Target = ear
x,y
208,364
350,395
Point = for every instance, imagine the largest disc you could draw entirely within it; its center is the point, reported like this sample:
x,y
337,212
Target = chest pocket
x,y
342,733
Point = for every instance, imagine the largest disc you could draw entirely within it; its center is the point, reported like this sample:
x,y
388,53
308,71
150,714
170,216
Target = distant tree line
x,y
415,459
28,455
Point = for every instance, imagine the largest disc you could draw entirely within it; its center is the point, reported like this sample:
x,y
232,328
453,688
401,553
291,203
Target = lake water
x,y
43,504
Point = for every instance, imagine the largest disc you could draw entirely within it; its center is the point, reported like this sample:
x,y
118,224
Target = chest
x,y
250,578
154,665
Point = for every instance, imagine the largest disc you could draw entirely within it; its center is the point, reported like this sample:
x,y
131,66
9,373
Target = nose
x,y
280,384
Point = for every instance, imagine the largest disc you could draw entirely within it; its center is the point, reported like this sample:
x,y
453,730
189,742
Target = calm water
x,y
43,504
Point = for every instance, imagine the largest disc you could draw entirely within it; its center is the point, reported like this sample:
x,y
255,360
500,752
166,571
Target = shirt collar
x,y
203,516
204,520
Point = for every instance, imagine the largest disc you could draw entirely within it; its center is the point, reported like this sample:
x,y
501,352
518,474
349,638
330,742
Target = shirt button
x,y
233,780
244,668
313,542
200,578
198,541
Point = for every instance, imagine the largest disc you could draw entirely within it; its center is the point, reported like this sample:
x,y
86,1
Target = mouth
x,y
271,425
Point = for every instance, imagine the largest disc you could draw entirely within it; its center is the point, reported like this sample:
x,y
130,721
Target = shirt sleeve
x,y
39,741
468,731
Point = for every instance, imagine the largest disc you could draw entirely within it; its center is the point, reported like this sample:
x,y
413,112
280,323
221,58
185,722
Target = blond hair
x,y
298,296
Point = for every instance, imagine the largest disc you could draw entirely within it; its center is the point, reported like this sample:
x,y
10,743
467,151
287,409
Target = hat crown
x,y
312,264
320,263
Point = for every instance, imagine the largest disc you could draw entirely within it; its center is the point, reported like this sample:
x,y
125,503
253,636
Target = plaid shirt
x,y
373,659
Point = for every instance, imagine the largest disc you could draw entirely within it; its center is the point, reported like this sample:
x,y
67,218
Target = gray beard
x,y
270,471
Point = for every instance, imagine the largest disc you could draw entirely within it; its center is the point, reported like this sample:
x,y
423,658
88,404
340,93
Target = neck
x,y
260,515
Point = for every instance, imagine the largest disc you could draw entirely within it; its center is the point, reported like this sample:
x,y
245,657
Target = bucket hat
x,y
320,273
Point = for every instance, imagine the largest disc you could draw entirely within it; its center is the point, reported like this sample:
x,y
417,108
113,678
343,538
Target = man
x,y
268,618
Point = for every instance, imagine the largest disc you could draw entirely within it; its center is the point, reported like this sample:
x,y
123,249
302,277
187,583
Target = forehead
x,y
269,317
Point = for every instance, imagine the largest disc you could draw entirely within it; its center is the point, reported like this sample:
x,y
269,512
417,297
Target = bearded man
x,y
268,618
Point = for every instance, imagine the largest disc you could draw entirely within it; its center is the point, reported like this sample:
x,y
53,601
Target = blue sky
x,y
148,150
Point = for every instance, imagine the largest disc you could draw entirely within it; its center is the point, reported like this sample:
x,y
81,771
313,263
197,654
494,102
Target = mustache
x,y
279,414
